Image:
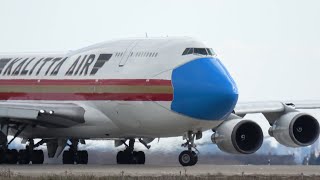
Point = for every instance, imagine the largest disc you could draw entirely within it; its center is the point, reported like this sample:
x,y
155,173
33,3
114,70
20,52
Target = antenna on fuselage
x,y
146,35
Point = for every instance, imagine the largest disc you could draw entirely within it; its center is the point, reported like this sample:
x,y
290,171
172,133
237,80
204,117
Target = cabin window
x,y
142,54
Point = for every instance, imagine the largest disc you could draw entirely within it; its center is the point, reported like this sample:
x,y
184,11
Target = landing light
x,y
42,111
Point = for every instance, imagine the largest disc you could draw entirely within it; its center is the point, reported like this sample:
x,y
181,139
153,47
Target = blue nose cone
x,y
203,89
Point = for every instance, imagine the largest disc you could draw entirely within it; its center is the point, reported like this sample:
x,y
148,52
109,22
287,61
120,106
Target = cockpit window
x,y
209,51
198,51
202,51
185,52
190,51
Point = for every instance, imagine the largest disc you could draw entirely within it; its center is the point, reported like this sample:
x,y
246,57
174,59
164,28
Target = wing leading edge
x,y
272,110
273,107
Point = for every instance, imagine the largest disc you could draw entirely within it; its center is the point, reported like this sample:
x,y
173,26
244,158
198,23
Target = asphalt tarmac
x,y
157,170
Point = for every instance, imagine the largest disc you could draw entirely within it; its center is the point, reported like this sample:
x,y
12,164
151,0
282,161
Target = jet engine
x,y
238,136
295,129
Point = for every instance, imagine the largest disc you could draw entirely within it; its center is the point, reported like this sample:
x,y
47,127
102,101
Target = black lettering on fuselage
x,y
102,59
72,67
44,63
87,64
18,68
57,67
9,67
81,66
34,66
83,59
53,62
3,63
24,70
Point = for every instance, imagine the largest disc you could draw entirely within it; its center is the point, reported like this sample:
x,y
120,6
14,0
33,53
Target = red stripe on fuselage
x,y
86,96
136,82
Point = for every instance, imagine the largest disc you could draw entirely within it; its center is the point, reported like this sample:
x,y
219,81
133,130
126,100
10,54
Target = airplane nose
x,y
203,89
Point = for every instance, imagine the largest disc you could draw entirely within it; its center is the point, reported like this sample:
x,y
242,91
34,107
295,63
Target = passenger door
x,y
128,53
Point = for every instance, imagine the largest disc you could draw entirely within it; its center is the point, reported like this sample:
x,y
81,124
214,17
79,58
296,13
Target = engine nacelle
x,y
295,129
238,136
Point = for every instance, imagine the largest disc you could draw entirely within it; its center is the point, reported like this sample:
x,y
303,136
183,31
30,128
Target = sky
x,y
271,47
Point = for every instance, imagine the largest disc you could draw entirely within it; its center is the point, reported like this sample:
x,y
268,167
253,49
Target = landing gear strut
x,y
189,157
129,156
73,155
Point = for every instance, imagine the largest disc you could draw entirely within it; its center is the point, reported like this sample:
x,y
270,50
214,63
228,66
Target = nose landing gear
x,y
189,157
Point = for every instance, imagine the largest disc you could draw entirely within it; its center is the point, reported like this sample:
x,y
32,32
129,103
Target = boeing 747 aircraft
x,y
129,91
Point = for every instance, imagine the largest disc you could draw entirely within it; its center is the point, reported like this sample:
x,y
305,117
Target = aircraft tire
x,y
2,156
195,160
120,157
82,157
141,157
135,158
68,157
186,158
12,156
23,157
37,157
126,157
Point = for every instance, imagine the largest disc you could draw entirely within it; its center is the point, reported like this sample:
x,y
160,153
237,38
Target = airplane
x,y
134,90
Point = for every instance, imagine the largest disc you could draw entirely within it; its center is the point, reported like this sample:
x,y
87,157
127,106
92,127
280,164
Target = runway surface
x,y
156,170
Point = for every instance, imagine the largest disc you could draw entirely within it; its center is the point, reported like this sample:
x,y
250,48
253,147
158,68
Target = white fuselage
x,y
136,59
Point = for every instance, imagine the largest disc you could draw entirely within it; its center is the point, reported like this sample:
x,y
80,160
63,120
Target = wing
x,y
273,109
44,114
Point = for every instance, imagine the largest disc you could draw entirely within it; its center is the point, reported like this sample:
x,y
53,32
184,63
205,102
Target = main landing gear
x,y
189,157
73,155
24,156
129,156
